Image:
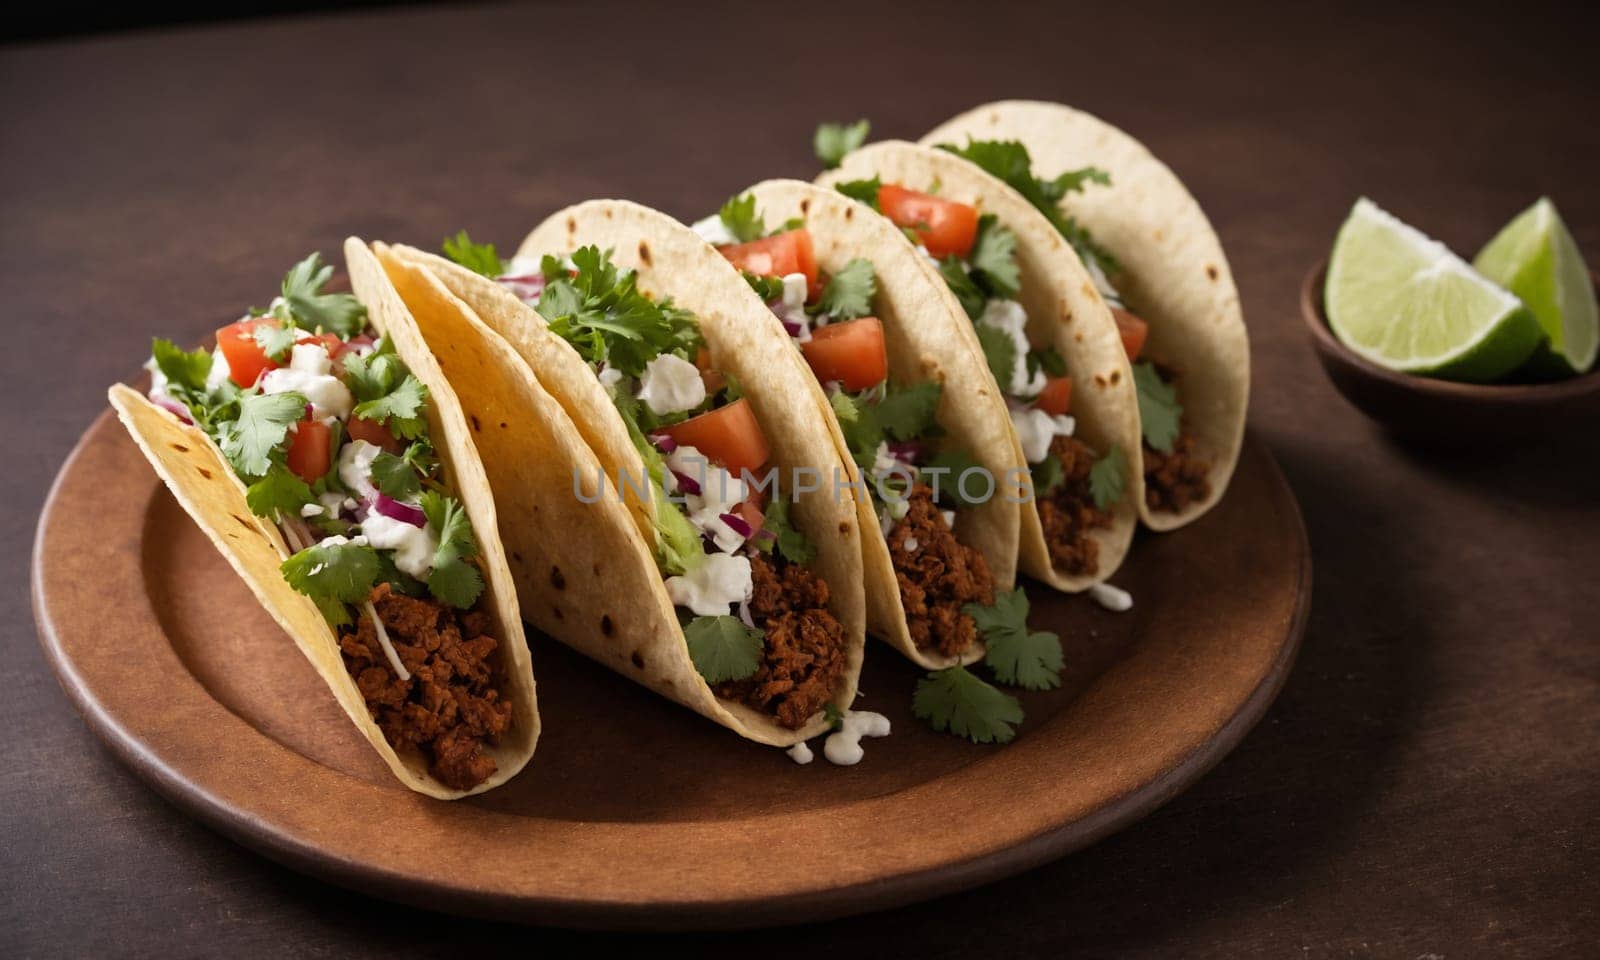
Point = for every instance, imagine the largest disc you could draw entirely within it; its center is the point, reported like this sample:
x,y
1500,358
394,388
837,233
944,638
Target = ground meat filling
x,y
804,659
451,707
1173,481
938,574
1068,513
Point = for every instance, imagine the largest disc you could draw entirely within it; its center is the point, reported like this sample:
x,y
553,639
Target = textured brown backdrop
x,y
1426,785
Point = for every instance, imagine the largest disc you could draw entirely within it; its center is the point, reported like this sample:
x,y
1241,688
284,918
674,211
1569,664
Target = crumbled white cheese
x,y
713,231
843,747
219,370
1008,317
313,510
1035,429
671,384
355,466
949,518
710,589
413,546
1112,598
310,357
326,394
720,492
609,378
791,307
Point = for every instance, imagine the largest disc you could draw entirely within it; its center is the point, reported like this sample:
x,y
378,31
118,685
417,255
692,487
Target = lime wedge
x,y
1536,258
1404,301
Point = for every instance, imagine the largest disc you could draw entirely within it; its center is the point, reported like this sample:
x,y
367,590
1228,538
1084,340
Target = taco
x,y
909,400
323,453
1155,259
689,534
1049,346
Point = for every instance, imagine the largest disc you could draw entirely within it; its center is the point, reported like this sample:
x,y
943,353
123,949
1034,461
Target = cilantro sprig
x,y
848,294
386,392
309,307
1008,160
833,140
250,441
602,313
958,701
865,191
480,258
454,579
1108,478
743,220
1018,656
786,539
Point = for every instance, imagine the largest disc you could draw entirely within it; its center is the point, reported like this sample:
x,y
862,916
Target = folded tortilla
x,y
586,571
1175,273
206,486
1063,309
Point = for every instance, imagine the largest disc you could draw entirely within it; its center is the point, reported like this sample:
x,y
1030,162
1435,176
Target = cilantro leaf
x,y
946,467
477,257
833,140
848,293
401,409
1108,478
1048,474
742,219
1160,413
967,291
454,580
994,258
832,714
789,541
865,191
723,648
1017,655
845,407
395,476
342,572
956,700
1009,161
264,421
274,341
1000,351
1048,359
340,313
767,288
279,493
906,413
181,367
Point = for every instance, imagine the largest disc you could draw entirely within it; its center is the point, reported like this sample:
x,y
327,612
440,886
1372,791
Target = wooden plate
x,y
635,812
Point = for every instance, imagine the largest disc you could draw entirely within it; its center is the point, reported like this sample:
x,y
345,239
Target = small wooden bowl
x,y
1442,410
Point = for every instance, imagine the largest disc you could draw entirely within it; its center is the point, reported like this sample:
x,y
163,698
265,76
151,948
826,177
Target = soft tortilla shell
x,y
1176,273
928,337
612,604
1063,309
205,485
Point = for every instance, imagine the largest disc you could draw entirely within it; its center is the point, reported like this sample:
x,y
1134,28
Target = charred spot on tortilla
x,y
805,205
242,521
556,579
204,472
1157,235
1211,271
844,528
644,253
502,424
606,626
1116,376
638,660
849,212
180,448
476,427
1099,381
572,225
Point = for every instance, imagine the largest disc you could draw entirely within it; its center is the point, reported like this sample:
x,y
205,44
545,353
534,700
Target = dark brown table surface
x,y
1428,784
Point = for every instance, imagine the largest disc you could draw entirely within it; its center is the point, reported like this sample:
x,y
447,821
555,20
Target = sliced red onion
x,y
527,286
663,442
172,406
906,451
764,534
792,328
395,510
687,483
737,524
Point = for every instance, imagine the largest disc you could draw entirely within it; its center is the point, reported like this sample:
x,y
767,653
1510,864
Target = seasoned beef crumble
x,y
451,707
937,577
803,657
1172,481
1068,513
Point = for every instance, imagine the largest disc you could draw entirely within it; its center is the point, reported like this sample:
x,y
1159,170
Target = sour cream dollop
x,y
671,384
413,546
355,466
708,590
843,747
326,394
713,231
1008,317
1035,429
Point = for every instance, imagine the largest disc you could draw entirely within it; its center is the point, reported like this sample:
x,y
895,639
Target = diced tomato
x,y
246,360
750,510
709,375
374,433
331,344
944,226
850,352
1056,397
728,436
1133,332
777,256
310,450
